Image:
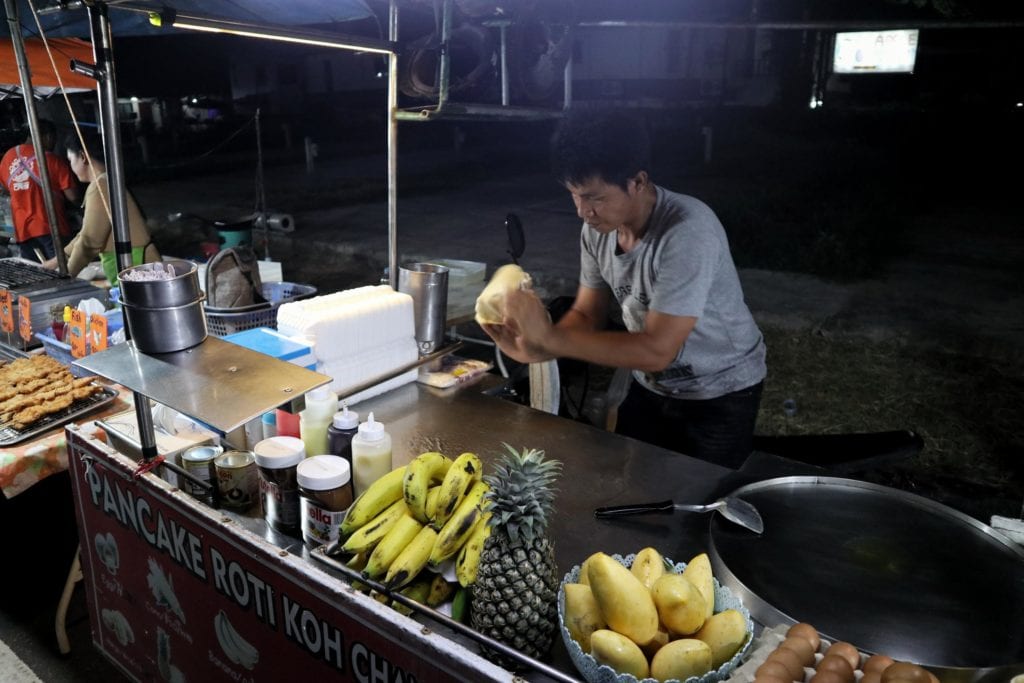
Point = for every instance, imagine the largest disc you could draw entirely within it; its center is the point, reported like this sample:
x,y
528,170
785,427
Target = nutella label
x,y
319,525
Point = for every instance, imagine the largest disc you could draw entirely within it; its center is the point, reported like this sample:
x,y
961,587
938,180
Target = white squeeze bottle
x,y
371,454
321,405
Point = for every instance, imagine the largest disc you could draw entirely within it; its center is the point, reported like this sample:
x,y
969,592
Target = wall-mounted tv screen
x,y
875,52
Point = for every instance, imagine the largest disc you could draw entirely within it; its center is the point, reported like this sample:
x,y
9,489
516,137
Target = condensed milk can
x,y
198,461
237,479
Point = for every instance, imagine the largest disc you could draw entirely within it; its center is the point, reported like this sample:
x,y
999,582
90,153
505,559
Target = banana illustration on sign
x,y
237,648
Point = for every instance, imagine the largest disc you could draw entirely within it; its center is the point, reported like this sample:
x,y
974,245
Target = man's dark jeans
x,y
43,243
719,430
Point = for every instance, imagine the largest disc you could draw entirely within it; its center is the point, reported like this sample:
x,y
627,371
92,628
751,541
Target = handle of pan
x,y
664,506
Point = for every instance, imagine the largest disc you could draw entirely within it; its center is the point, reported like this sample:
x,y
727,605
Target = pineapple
x,y
515,594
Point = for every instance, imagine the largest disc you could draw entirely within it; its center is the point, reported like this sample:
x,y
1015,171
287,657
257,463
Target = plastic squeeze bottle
x,y
371,454
321,404
339,435
64,336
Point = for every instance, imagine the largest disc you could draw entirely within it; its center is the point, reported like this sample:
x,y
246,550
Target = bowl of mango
x,y
645,618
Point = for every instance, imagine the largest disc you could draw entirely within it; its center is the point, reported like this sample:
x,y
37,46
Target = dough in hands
x,y
490,305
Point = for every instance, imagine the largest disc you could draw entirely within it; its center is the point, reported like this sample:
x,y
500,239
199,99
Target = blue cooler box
x,y
276,345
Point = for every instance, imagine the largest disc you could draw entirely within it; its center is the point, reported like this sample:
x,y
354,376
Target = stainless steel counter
x,y
599,468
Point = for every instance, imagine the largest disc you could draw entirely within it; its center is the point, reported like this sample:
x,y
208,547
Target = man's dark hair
x,y
608,144
45,128
93,145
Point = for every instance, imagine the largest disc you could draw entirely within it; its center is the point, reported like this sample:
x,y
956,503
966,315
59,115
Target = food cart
x,y
179,589
298,603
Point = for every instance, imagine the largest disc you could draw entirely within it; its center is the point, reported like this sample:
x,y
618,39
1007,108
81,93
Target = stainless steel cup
x,y
427,284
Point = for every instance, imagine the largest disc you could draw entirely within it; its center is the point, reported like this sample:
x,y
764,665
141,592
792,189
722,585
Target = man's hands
x,y
50,263
526,328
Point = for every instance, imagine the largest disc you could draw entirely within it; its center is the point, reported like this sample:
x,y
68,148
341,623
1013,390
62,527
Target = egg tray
x,y
767,642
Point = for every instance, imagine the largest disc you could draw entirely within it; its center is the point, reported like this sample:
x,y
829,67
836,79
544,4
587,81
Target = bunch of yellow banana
x,y
424,513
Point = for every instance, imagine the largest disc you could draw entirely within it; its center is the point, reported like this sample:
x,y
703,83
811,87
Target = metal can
x,y
198,461
237,479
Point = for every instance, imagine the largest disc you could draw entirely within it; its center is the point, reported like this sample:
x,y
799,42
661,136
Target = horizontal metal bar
x,y
824,25
185,20
320,555
380,379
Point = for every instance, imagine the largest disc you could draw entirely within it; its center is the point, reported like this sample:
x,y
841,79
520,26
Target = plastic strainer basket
x,y
224,321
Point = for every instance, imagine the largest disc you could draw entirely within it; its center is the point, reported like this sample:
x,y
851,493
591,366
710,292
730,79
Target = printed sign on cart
x,y
174,598
25,318
6,311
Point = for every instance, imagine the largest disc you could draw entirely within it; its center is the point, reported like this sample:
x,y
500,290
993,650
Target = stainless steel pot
x,y
181,289
168,328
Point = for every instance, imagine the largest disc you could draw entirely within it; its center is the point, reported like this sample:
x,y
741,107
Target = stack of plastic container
x,y
357,335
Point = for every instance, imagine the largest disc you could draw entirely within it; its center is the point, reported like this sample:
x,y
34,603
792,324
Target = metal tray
x,y
10,436
888,571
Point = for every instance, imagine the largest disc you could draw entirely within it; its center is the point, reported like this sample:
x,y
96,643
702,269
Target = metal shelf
x,y
223,384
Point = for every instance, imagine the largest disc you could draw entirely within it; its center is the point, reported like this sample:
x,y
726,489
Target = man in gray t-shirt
x,y
696,353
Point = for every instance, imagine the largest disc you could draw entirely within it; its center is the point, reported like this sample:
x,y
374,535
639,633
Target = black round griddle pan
x,y
885,570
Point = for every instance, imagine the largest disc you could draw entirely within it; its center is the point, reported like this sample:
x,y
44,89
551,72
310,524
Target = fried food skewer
x,y
32,414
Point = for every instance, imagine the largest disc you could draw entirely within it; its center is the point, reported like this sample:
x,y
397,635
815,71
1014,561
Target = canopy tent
x,y
44,81
75,22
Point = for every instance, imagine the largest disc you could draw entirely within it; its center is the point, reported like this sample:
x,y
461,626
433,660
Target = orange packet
x,y
6,311
25,318
77,332
97,332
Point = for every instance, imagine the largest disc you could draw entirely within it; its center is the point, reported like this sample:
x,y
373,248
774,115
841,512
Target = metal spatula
x,y
733,509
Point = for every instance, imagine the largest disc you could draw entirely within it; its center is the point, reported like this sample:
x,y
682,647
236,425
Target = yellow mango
x,y
724,633
648,566
618,652
681,659
584,577
626,604
679,603
582,614
660,640
698,572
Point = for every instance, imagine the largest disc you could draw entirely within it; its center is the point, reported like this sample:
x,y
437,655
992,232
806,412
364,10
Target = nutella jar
x,y
277,459
325,490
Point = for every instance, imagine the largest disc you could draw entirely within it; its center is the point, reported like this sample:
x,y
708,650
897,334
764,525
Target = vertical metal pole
x,y
28,94
110,127
392,136
567,84
445,62
503,32
261,197
103,51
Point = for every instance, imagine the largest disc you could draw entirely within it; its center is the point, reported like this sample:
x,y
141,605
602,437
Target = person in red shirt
x,y
19,175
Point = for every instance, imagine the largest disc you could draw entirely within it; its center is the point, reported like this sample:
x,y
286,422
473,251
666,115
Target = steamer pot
x,y
179,290
166,329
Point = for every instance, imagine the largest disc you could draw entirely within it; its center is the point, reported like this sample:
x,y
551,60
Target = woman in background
x,y
96,238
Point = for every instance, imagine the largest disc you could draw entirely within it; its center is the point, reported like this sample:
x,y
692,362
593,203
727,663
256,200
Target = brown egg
x,y
847,652
827,677
773,669
871,677
807,632
771,679
802,647
791,661
905,671
877,664
838,664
